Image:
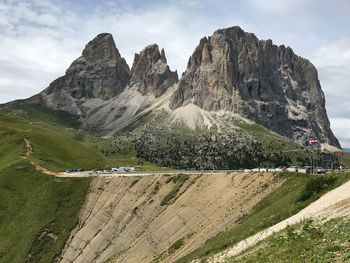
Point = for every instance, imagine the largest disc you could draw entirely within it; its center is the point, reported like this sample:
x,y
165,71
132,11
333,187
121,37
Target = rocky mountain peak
x,y
151,72
102,47
162,56
235,71
100,73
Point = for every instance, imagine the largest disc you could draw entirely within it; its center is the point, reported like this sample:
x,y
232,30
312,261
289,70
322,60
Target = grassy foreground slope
x,y
298,191
308,241
38,211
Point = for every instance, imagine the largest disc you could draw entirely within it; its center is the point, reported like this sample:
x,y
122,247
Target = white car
x,y
279,169
320,170
292,169
305,169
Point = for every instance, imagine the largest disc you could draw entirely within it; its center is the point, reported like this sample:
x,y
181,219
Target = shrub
x,y
133,183
178,181
176,246
315,185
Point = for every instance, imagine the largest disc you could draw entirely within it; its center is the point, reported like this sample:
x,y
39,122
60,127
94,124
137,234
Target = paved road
x,y
144,173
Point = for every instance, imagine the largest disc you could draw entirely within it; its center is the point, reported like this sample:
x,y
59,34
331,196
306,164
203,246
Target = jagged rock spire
x,y
151,72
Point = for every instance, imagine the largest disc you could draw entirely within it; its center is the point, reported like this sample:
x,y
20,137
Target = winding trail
x,y
38,167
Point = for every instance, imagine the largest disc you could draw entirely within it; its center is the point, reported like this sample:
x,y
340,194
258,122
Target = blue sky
x,y
40,38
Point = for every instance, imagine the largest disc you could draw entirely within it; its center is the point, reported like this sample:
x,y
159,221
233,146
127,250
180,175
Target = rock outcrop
x,y
100,73
151,72
234,71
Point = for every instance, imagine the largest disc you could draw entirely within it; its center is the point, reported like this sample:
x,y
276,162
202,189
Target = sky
x,y
40,38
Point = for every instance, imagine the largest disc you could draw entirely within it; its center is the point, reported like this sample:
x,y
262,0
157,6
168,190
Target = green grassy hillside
x,y
38,211
58,148
37,111
307,241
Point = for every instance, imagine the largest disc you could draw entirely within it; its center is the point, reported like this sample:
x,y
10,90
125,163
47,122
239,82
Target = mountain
x,y
98,75
231,77
234,71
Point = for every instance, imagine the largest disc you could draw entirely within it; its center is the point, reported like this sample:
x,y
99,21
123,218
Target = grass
x,y
315,186
37,211
58,148
274,143
133,183
33,207
178,181
345,159
277,206
175,246
307,241
38,112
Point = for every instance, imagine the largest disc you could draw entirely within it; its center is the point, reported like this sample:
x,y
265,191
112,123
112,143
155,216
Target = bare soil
x,y
124,221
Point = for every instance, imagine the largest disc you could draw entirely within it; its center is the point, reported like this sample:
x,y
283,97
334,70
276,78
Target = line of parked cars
x,y
119,170
305,169
75,170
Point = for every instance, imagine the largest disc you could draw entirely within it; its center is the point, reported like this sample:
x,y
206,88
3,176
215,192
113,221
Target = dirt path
x,y
333,204
38,167
29,148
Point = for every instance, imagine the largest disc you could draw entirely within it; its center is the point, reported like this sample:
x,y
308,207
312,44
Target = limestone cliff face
x,y
234,71
100,73
151,72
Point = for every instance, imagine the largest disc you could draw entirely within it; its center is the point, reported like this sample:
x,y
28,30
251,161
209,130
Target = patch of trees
x,y
211,150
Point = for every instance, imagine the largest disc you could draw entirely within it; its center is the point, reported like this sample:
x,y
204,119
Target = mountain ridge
x,y
230,75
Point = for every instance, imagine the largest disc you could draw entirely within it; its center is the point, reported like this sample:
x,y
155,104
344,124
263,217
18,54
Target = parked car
x,y
320,170
256,169
279,169
292,169
305,169
68,171
263,169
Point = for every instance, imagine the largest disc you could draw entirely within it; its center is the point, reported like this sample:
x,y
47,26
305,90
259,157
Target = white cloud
x,y
41,38
332,60
273,6
341,128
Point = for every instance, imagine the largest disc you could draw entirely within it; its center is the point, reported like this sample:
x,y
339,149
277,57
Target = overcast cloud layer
x,y
40,38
